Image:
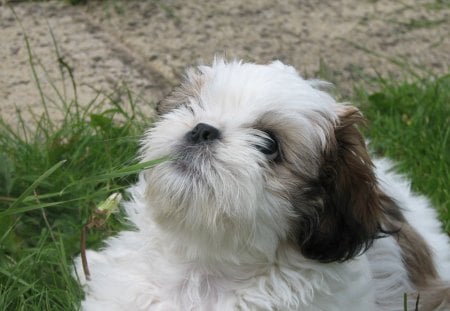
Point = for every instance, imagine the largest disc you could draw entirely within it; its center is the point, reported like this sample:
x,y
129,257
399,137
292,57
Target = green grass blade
x,y
125,171
33,186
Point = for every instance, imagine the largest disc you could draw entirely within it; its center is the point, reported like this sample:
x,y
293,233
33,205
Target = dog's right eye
x,y
269,147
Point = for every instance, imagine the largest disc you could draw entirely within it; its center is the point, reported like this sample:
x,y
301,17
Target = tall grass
x,y
53,175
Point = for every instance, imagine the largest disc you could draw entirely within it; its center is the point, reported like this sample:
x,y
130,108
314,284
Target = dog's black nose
x,y
202,133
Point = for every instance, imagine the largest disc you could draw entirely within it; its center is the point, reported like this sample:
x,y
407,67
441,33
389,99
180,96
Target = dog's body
x,y
268,201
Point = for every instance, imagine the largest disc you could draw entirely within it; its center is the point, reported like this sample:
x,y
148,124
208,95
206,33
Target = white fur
x,y
137,272
213,236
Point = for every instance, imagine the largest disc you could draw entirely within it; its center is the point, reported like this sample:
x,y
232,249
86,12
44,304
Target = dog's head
x,y
259,156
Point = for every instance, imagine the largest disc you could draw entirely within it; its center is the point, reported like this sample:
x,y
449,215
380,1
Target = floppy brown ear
x,y
345,206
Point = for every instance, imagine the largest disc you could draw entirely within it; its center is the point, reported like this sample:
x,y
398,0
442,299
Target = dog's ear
x,y
344,202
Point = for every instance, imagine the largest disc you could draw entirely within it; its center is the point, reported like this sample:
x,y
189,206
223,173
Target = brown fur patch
x,y
297,153
416,255
345,209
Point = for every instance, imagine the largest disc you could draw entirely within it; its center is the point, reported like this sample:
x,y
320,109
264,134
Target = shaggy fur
x,y
269,201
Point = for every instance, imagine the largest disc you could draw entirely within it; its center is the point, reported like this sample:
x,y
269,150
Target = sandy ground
x,y
145,45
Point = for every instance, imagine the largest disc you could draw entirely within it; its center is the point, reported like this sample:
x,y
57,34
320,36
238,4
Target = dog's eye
x,y
269,147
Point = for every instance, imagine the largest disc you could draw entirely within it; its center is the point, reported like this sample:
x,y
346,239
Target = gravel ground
x,y
146,44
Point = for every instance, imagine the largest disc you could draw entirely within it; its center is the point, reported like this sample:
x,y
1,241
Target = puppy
x,y
268,201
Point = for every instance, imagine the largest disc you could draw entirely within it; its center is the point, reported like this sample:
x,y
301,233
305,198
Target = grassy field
x,y
410,123
54,175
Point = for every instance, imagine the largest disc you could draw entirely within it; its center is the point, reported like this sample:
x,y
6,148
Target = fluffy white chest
x,y
130,275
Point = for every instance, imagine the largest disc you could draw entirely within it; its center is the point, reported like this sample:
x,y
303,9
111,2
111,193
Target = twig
x,y
83,252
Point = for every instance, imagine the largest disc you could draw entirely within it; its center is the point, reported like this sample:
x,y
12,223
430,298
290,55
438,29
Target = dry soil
x,y
144,46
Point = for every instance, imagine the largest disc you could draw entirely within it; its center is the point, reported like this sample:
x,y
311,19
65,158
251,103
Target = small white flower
x,y
111,204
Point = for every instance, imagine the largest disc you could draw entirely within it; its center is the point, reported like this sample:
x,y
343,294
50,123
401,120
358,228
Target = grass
x,y
53,176
409,122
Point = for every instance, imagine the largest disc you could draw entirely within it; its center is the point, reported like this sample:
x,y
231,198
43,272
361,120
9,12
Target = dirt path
x,y
146,44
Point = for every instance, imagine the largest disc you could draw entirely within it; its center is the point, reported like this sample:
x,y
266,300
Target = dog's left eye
x,y
269,147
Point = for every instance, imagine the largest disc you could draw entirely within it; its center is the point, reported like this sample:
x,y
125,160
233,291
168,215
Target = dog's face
x,y
259,156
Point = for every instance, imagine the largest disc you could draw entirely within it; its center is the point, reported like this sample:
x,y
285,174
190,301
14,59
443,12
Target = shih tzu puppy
x,y
268,201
